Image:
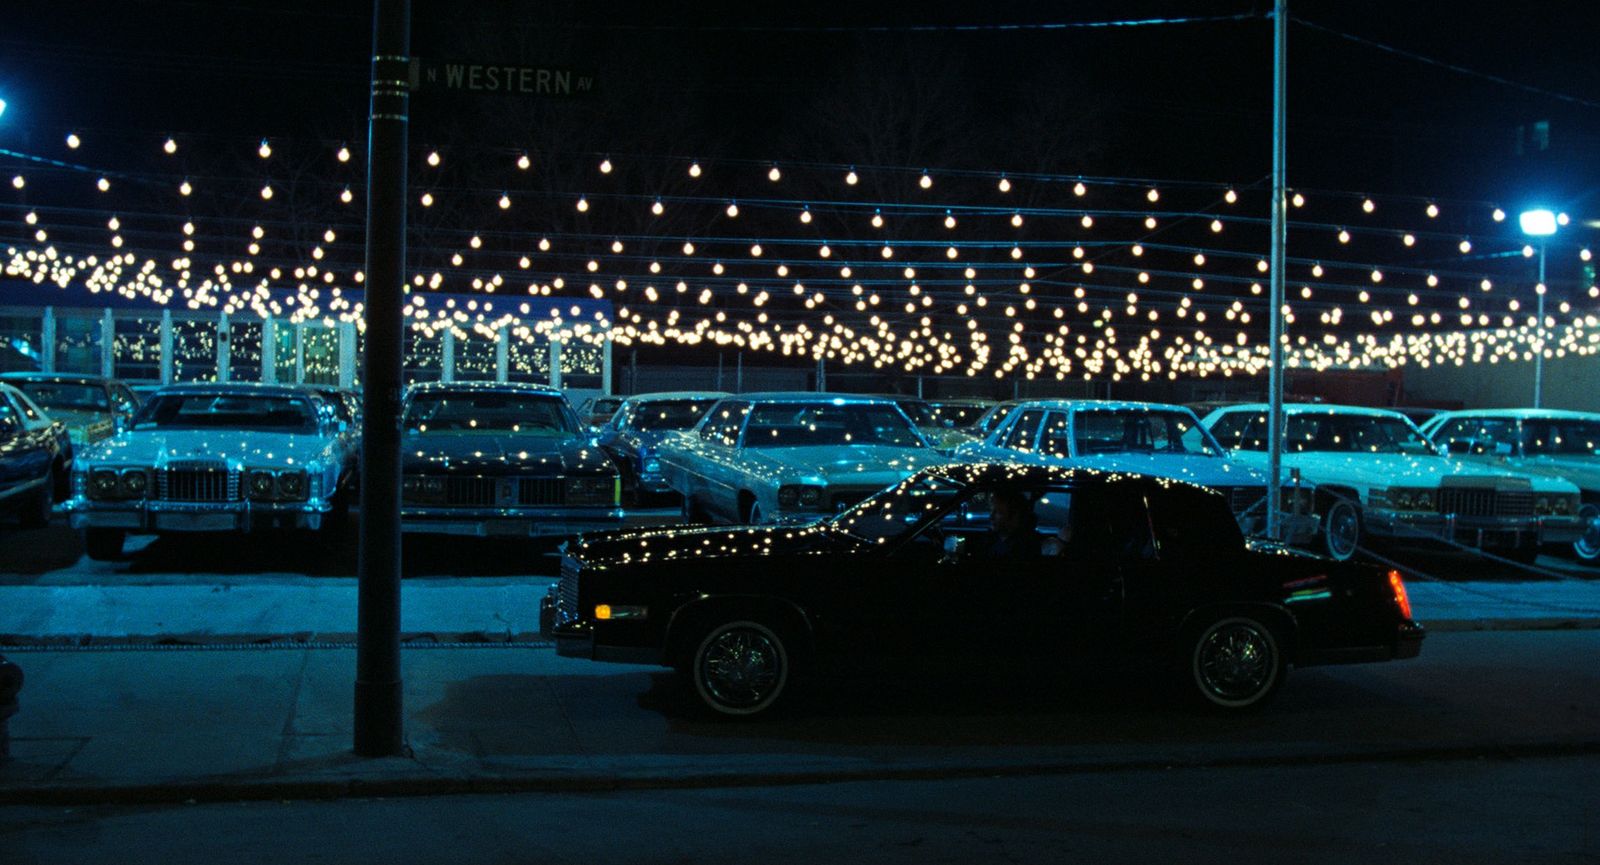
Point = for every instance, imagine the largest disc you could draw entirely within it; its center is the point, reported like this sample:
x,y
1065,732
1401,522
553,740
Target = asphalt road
x,y
54,556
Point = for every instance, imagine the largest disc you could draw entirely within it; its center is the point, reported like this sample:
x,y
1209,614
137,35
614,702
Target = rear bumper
x,y
1407,643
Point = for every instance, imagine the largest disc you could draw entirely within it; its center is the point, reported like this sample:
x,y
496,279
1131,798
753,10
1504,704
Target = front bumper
x,y
1481,532
508,522
156,517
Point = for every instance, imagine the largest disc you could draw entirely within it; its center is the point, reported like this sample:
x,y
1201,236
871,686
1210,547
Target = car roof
x,y
238,387
1114,405
815,396
1541,413
676,395
1315,408
484,387
54,377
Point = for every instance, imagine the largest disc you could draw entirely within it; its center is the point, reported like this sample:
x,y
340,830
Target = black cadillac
x,y
505,460
1001,563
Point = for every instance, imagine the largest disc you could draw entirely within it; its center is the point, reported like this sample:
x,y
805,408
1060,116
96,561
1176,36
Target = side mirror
x,y
955,547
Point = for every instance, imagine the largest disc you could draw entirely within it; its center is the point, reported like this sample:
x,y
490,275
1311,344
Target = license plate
x,y
195,522
511,528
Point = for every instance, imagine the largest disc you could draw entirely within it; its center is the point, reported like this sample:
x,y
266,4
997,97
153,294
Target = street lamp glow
x,y
1537,223
2,107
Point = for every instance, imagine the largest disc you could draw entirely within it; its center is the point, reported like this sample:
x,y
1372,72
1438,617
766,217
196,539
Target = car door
x,y
718,470
1070,609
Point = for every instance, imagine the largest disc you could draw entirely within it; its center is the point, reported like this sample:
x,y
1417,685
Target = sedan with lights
x,y
214,458
637,428
791,457
1143,437
1546,442
1376,475
1154,576
501,460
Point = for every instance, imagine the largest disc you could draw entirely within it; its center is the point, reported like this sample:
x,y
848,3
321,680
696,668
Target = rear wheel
x,y
1234,663
104,545
741,668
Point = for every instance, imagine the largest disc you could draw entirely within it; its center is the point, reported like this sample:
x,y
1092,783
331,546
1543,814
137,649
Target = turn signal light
x,y
1400,597
603,611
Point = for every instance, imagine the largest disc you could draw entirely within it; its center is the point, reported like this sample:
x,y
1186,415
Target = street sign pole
x,y
379,719
1275,419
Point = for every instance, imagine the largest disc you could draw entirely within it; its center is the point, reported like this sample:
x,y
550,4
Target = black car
x,y
504,460
639,426
35,459
1106,568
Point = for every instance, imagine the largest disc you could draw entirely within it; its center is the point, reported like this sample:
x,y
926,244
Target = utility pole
x,y
1280,214
1538,356
379,717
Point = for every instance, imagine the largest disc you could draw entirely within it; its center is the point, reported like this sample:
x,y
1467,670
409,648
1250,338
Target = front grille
x,y
533,492
197,482
1485,502
469,492
567,590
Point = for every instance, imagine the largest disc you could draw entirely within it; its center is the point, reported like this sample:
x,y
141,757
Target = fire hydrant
x,y
10,685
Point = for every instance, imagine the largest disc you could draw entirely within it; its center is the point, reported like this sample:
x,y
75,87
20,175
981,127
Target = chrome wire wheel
x,y
1587,546
1236,663
740,668
1341,530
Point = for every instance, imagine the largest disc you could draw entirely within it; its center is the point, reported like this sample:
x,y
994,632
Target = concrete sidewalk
x,y
506,609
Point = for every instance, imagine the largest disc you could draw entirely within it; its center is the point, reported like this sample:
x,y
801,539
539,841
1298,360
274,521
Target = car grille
x,y
541,491
1485,502
197,482
470,492
567,590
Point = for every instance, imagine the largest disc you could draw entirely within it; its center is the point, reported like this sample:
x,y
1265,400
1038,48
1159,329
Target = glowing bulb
x,y
1216,226
694,169
1409,240
523,162
427,199
1079,189
657,208
103,185
433,159
583,204
949,221
1465,247
184,188
774,175
851,178
877,220
170,147
1087,221
266,192
926,182
1153,195
1298,200
1499,215
1230,196
1368,206
1005,185
733,210
1344,236
505,201
805,216
1433,210
605,166
343,155
1016,220
18,183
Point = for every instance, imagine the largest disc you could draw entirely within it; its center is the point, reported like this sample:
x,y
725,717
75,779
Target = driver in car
x,y
1012,524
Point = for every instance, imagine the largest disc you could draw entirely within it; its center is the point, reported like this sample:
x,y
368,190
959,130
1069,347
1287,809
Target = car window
x,y
724,423
124,399
920,412
1024,433
1574,437
1191,523
1055,441
1097,522
276,413
27,408
1228,427
802,424
1480,436
487,412
676,414
899,511
992,421
1338,432
9,417
66,396
1139,430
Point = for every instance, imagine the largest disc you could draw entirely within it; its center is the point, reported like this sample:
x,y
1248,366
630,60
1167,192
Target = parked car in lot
x,y
597,410
91,407
214,458
1547,442
961,413
1142,437
1376,475
791,457
501,460
994,417
1156,572
940,432
638,427
36,459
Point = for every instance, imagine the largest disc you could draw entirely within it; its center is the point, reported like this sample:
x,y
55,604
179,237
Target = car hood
x,y
1385,470
1583,471
603,550
157,448
860,465
84,424
501,454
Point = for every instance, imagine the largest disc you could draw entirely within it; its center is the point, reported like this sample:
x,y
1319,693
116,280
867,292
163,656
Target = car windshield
x,y
898,511
789,424
1561,437
67,396
1098,431
959,414
920,412
240,411
677,414
1354,433
488,413
993,419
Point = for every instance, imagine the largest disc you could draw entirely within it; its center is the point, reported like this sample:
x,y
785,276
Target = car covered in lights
x,y
1376,475
791,457
1146,438
214,458
1155,576
91,407
501,460
637,428
36,459
1545,442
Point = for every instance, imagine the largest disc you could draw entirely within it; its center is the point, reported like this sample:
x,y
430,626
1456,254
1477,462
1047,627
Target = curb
x,y
261,789
1583,623
298,640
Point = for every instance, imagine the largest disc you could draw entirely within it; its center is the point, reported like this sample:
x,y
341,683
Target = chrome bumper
x,y
1473,531
508,522
149,517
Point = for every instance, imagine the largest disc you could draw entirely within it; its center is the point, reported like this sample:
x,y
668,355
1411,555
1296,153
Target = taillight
x,y
1400,597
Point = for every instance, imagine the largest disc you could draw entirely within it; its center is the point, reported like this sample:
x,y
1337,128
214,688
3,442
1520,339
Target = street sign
x,y
491,78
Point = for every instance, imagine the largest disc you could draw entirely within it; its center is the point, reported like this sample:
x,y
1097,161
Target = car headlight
x,y
1541,505
261,484
1402,500
799,496
1424,501
1564,505
292,484
135,482
102,483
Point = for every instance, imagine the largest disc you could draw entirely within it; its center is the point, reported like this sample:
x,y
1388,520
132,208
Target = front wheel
x,y
1341,530
1234,663
741,668
104,545
1587,547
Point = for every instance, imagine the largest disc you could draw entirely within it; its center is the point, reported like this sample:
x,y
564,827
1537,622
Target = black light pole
x,y
379,719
